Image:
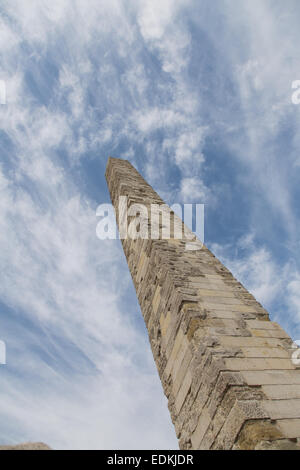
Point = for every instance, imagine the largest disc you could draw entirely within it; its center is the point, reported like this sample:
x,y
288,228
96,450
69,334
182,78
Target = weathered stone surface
x,y
226,369
27,446
281,392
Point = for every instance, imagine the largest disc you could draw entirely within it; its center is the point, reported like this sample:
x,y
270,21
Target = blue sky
x,y
197,95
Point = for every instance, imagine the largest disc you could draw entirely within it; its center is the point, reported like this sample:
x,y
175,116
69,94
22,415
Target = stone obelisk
x,y
226,369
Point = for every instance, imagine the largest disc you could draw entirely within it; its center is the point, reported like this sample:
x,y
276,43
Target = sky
x,y
197,95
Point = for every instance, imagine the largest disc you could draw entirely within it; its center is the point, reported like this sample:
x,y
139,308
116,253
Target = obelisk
x,y
226,369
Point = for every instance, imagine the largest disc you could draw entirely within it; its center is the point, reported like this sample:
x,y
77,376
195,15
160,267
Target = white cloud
x,y
157,118
263,70
293,288
187,149
192,189
8,38
155,17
